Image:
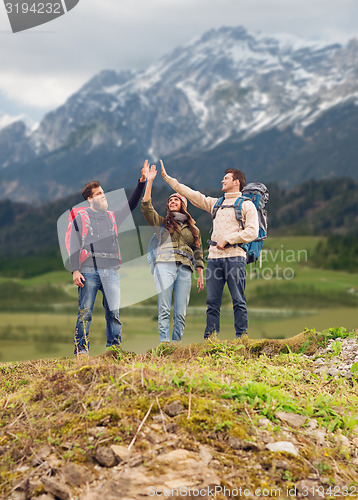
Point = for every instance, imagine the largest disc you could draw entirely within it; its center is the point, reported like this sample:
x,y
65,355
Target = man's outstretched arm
x,y
195,197
133,201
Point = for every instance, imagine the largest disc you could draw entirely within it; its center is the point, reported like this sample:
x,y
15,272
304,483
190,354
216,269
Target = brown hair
x,y
87,190
237,175
171,224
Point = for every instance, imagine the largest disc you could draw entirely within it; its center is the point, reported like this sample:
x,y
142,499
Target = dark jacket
x,y
101,236
183,240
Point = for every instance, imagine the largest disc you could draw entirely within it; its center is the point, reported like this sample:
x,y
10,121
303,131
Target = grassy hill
x,y
255,415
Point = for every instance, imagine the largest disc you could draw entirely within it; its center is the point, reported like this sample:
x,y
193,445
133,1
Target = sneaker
x,y
82,354
240,335
208,335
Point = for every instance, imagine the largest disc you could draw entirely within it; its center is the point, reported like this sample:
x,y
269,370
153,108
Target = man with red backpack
x,y
95,259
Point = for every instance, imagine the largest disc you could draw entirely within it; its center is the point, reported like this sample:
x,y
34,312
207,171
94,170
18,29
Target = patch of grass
x,y
223,387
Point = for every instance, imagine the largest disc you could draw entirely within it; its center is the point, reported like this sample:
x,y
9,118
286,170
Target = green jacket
x,y
183,240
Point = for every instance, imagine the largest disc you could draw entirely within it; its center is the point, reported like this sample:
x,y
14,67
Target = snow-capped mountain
x,y
227,85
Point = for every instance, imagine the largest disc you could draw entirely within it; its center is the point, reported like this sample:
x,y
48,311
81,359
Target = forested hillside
x,y
319,208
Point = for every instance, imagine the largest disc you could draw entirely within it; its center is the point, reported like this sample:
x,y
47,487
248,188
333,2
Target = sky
x,y
41,67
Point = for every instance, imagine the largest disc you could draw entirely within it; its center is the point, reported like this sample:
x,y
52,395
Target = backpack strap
x,y
215,211
114,222
238,210
216,207
86,225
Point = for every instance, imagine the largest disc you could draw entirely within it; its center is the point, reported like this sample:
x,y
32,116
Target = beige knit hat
x,y
182,198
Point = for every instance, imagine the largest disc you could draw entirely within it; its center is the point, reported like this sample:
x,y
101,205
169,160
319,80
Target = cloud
x,y
44,66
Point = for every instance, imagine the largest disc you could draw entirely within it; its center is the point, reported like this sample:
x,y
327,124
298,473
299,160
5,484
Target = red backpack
x,y
86,226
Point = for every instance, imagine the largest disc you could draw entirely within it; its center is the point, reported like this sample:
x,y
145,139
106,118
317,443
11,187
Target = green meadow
x,y
284,296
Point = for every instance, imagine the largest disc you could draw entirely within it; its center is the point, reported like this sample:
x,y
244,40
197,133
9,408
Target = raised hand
x,y
164,173
145,171
152,172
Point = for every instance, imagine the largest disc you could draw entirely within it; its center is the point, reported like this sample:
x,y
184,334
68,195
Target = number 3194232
x,y
33,8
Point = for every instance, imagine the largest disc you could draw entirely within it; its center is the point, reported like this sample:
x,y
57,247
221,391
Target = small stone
x,y
333,372
281,464
93,496
175,457
334,361
105,457
250,446
342,440
23,468
40,456
56,489
312,424
157,427
292,419
263,422
121,453
283,446
98,431
155,438
205,455
321,369
67,446
172,427
173,409
77,475
235,443
319,435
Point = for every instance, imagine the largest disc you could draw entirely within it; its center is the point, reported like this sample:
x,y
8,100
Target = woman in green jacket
x,y
179,253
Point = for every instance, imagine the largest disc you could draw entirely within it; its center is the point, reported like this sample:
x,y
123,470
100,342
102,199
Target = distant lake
x,y
26,336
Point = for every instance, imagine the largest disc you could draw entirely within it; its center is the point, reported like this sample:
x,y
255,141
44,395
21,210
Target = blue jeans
x,y
107,281
171,277
230,270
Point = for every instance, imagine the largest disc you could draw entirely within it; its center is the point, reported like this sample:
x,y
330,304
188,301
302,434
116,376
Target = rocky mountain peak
x,y
228,84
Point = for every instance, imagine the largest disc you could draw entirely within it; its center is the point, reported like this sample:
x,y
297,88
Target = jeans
x,y
107,281
230,270
172,277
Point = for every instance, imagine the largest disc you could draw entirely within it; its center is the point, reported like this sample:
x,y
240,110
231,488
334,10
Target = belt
x,y
104,255
178,252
